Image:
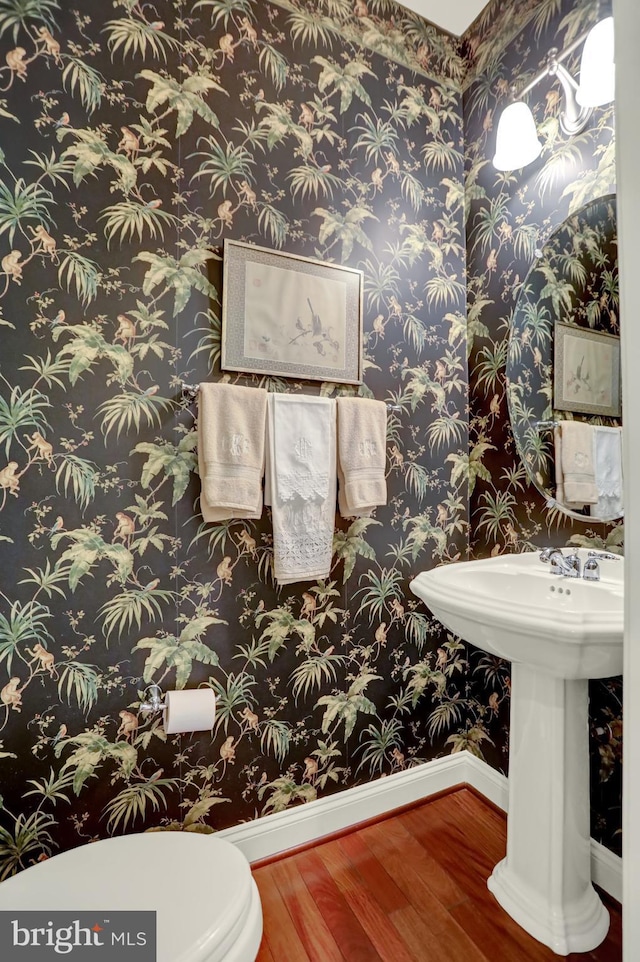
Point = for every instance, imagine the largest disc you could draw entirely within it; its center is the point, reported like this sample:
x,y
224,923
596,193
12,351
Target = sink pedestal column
x,y
544,883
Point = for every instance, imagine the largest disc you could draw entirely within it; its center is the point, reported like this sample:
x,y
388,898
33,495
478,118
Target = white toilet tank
x,y
207,903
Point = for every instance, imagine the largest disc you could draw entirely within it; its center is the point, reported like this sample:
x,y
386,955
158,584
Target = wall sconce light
x,y
597,69
517,141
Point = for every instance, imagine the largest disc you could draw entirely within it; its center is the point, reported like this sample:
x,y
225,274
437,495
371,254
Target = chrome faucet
x,y
568,566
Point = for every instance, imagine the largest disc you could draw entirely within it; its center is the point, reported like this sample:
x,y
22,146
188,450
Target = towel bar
x,y
190,393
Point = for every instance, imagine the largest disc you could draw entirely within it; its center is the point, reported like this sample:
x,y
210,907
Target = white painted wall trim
x,y
627,24
606,870
486,780
272,834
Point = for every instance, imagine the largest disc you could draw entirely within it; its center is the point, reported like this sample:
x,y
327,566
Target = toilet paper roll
x,y
193,710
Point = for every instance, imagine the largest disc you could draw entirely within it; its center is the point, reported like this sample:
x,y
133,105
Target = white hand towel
x,y
608,471
231,445
301,465
575,472
362,446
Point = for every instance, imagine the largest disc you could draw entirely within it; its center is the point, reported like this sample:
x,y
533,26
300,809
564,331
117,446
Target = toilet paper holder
x,y
154,695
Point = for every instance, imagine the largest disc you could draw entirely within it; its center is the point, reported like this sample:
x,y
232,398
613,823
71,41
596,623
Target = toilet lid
x,y
199,885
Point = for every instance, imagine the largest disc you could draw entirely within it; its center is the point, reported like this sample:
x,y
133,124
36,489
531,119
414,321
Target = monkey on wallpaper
x,y
12,268
247,542
11,698
129,142
46,243
128,725
9,480
126,331
46,659
51,45
16,64
249,31
43,450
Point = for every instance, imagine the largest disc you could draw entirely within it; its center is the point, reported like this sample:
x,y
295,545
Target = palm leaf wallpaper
x,y
135,138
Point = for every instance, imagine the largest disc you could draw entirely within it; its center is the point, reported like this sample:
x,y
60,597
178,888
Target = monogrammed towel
x,y
231,442
362,440
301,468
575,472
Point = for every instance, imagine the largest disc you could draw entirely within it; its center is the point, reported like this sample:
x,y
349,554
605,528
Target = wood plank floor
x,y
411,888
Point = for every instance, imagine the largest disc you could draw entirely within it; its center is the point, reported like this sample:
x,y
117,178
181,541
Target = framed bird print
x,y
290,316
586,367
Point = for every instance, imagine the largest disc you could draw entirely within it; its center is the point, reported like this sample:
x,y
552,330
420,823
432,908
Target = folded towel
x,y
608,472
362,446
231,444
575,472
301,488
560,495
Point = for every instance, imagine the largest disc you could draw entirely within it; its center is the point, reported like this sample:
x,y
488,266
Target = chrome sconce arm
x,y
574,118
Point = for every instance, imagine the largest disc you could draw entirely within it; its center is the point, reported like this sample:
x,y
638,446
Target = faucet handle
x,y
591,569
546,555
606,555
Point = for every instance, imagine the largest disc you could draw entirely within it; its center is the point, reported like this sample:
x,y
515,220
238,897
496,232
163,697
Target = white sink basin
x,y
557,632
514,607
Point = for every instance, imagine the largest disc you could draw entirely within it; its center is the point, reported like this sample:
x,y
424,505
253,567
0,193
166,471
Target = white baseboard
x,y
486,780
272,834
606,870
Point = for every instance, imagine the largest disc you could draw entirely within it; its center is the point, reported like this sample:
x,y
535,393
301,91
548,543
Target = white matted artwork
x,y
290,316
586,371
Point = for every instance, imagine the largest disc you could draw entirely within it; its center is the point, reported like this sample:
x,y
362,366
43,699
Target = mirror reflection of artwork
x,y
586,371
572,285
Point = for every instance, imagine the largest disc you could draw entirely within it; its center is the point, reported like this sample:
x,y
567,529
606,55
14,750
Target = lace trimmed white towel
x,y
608,470
301,487
362,455
231,445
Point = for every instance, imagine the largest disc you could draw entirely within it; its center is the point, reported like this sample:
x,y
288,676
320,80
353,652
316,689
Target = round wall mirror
x,y
563,366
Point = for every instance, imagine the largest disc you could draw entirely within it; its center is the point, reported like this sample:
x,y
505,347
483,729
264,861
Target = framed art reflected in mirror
x,y
586,371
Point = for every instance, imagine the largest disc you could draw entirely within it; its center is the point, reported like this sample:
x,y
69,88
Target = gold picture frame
x,y
290,316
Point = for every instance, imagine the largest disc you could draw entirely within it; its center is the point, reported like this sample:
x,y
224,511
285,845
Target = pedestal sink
x,y
558,632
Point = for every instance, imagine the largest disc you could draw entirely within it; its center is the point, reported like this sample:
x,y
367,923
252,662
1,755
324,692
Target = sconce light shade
x,y
517,142
597,68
